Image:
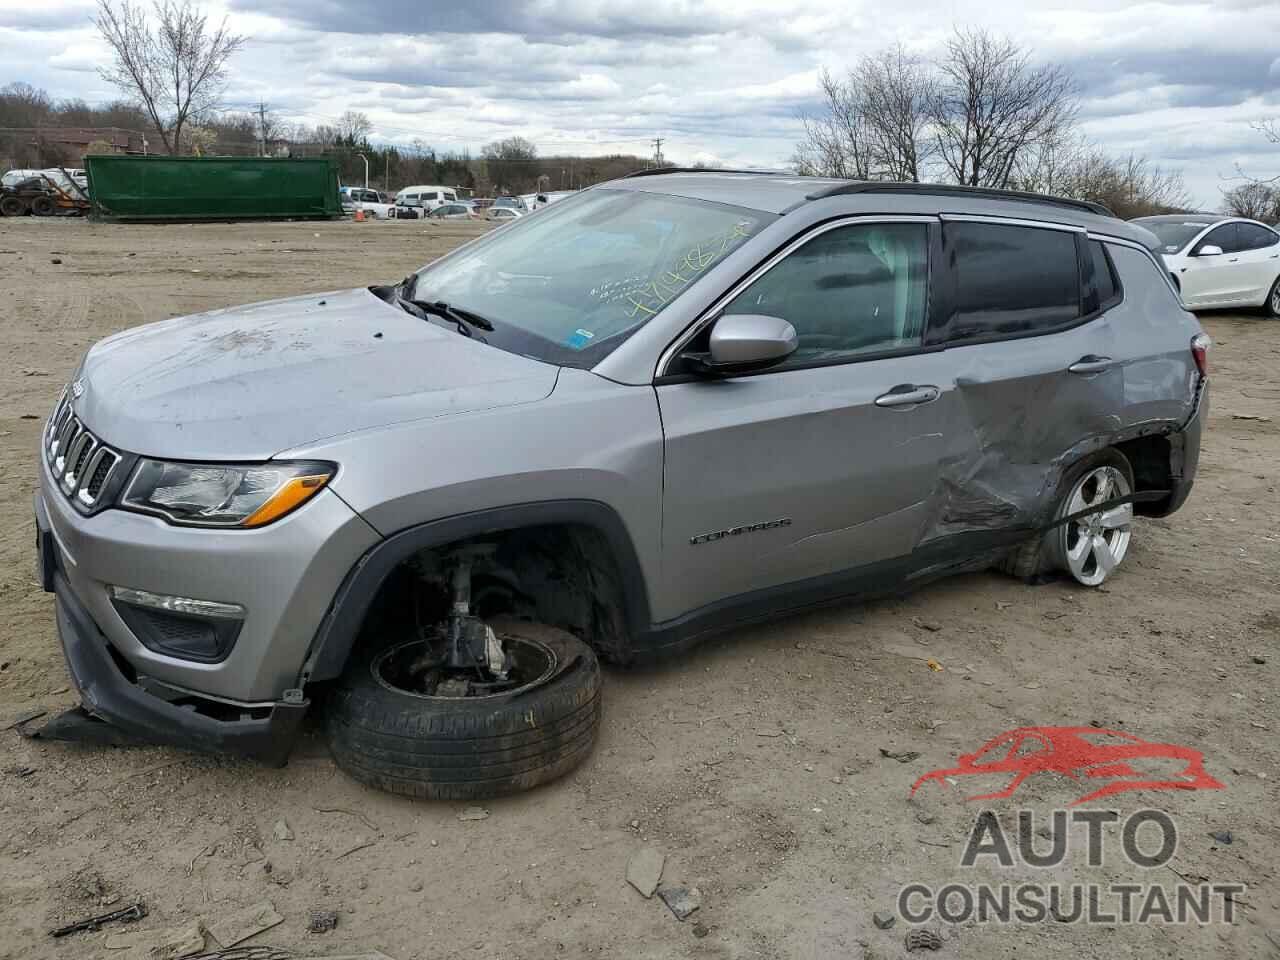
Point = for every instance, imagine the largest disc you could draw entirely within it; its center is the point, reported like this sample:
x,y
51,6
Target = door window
x,y
853,290
1010,280
1255,237
1226,236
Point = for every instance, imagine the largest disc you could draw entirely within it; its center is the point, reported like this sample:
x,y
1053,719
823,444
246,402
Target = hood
x,y
248,382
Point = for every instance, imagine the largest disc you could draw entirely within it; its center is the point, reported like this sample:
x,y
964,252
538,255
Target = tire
x,y
1272,307
1042,556
42,207
12,207
452,748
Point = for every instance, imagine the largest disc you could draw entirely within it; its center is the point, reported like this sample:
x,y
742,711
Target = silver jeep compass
x,y
661,407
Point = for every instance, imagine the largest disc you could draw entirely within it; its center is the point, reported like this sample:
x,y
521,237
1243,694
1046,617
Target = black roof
x,y
778,192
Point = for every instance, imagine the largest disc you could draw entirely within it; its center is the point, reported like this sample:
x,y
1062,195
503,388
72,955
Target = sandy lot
x,y
754,765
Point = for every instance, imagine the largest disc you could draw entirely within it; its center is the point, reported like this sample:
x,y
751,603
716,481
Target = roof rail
x,y
953,190
656,171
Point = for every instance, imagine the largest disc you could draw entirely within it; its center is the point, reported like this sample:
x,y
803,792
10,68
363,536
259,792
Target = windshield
x,y
1174,234
572,283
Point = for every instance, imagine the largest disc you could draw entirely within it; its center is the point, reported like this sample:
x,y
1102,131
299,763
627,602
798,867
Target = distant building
x,y
42,146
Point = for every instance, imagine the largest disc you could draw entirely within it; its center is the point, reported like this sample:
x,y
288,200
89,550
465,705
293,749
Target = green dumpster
x,y
212,188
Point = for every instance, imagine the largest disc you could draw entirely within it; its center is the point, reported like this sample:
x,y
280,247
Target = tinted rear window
x,y
1254,237
1010,280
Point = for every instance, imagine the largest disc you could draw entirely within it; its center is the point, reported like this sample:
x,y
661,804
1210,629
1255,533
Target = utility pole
x,y
657,151
262,126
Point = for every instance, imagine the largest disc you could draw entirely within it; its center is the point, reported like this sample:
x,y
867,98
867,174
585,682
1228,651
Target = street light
x,y
366,169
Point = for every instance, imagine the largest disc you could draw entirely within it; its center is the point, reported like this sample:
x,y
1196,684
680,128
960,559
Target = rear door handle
x,y
907,395
1090,364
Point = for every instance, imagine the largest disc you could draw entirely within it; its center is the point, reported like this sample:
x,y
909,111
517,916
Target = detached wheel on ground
x,y
1092,547
467,743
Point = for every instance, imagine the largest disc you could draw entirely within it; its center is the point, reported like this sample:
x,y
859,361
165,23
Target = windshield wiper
x,y
463,319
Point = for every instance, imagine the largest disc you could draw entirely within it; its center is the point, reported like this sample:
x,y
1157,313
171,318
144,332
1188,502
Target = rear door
x,y
827,461
1260,255
1033,355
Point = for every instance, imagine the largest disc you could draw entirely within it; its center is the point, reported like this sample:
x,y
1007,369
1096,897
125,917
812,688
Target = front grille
x,y
80,462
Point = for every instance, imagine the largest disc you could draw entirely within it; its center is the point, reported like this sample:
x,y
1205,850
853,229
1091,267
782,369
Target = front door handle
x,y
907,395
1090,364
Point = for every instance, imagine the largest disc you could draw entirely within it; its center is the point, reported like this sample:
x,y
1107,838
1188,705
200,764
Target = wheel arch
x,y
339,629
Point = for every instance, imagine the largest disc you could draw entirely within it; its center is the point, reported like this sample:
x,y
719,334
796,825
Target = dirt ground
x,y
754,765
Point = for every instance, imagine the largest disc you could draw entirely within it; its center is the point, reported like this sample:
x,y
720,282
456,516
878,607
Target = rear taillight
x,y
1200,345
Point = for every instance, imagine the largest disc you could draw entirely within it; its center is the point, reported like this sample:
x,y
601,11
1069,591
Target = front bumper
x,y
283,575
112,690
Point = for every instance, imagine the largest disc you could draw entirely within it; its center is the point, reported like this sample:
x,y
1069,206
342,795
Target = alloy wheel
x,y
1093,546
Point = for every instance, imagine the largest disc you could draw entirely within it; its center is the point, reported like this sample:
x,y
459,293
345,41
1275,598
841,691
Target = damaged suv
x,y
664,406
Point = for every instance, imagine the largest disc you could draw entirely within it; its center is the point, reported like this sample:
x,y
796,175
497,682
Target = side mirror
x,y
1209,250
744,342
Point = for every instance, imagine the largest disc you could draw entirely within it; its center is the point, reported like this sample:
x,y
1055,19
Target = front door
x,y
1218,279
825,462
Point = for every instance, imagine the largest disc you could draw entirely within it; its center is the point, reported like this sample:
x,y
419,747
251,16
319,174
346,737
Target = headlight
x,y
224,495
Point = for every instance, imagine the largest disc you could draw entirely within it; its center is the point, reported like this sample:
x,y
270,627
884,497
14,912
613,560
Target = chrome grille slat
x,y
66,437
77,454
80,462
96,474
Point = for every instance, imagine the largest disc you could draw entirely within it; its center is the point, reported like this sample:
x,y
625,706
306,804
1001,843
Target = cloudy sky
x,y
720,80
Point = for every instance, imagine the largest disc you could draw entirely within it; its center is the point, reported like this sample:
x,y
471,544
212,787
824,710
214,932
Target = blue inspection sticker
x,y
580,339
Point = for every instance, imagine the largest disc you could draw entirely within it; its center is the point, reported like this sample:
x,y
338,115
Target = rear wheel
x,y
1091,547
1272,307
42,207
462,741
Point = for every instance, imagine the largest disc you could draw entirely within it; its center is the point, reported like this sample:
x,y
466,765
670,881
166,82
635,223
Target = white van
x,y
418,201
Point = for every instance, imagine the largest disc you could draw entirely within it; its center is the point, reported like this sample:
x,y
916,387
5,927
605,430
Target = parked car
x,y
454,211
511,203
1220,261
678,403
371,202
417,201
503,213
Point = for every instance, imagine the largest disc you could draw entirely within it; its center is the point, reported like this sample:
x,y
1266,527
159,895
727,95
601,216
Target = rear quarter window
x,y
1149,298
1104,276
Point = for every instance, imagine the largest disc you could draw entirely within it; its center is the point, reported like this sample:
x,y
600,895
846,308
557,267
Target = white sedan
x,y
1220,261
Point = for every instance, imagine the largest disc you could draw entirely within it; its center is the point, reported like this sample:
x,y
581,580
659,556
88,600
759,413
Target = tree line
x,y
981,113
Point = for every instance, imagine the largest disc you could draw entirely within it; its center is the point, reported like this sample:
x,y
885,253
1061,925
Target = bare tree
x,y
991,104
22,105
838,143
1072,166
354,127
510,162
895,90
175,69
1257,201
